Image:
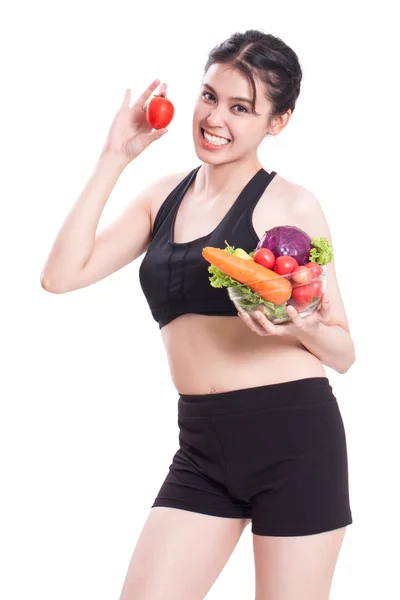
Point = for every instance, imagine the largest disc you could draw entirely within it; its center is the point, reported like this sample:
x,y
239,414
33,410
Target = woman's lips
x,y
208,145
215,134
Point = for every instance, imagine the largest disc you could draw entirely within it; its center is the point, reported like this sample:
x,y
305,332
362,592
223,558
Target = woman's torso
x,y
209,354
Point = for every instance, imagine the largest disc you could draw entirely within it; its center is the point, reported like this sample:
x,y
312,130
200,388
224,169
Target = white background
x,y
88,410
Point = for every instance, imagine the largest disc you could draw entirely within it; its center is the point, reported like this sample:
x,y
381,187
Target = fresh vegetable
x,y
302,295
301,274
268,284
316,287
287,240
285,265
315,268
310,307
248,299
251,301
159,112
264,257
322,251
242,254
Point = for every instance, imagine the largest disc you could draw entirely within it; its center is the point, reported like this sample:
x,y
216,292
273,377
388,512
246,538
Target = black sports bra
x,y
174,276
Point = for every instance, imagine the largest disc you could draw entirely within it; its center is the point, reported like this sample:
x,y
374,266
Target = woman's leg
x,y
180,554
296,568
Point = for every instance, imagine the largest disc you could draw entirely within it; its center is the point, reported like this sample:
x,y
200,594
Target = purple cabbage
x,y
287,240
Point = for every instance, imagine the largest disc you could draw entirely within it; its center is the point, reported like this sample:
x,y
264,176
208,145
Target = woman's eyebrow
x,y
231,98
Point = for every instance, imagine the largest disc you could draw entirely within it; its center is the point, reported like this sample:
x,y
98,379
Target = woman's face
x,y
219,111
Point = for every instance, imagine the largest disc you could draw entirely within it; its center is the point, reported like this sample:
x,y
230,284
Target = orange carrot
x,y
268,284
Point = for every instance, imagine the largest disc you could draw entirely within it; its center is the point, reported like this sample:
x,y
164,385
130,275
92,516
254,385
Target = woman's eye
x,y
209,94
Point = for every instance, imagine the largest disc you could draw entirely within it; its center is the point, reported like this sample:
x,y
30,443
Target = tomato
x,y
316,269
302,295
285,264
264,257
159,112
301,274
316,287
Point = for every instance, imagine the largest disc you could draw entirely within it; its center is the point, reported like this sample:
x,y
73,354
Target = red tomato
x,y
302,274
316,287
315,268
159,112
285,264
264,257
302,295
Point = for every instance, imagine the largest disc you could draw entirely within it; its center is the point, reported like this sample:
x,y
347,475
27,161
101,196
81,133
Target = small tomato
x,y
315,269
264,257
301,274
159,112
302,295
285,264
316,287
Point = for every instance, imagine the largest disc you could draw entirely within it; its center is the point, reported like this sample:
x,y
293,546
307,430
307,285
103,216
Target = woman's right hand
x,y
130,133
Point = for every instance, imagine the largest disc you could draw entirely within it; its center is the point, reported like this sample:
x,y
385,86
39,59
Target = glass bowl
x,y
306,298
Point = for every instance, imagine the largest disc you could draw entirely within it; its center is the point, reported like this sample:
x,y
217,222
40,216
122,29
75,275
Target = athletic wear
x,y
174,276
275,454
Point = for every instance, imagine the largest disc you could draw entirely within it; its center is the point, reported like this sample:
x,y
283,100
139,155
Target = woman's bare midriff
x,y
211,354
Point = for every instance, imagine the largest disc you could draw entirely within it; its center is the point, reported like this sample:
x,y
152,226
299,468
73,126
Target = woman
x,y
261,436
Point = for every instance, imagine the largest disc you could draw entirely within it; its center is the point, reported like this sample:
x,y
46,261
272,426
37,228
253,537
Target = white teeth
x,y
217,141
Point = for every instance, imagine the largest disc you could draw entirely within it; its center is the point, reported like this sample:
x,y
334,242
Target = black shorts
x,y
275,454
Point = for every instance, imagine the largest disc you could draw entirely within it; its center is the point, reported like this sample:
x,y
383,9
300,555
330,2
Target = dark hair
x,y
270,59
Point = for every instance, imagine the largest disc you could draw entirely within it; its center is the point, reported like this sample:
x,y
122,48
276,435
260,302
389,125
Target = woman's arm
x,y
74,242
326,332
331,341
332,344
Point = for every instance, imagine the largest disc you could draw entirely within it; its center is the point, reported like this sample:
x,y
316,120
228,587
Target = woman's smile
x,y
211,142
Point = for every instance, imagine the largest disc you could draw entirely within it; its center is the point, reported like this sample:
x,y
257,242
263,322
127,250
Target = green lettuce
x,y
321,251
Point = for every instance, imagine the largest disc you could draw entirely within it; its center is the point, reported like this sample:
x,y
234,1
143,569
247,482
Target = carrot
x,y
268,284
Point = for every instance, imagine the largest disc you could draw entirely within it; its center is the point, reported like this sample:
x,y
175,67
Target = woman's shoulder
x,y
283,190
170,181
165,185
284,202
297,205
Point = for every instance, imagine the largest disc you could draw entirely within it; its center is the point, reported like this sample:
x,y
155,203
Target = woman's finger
x,y
146,94
250,322
127,98
266,324
324,308
295,317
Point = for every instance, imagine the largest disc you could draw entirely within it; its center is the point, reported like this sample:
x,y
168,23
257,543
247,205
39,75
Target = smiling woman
x,y
259,424
240,104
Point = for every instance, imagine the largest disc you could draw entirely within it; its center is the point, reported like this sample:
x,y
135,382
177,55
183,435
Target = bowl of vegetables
x,y
288,267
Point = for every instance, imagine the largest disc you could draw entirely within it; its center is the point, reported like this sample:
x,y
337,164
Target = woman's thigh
x,y
296,568
179,554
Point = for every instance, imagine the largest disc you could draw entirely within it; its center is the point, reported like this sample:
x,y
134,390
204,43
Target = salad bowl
x,y
288,267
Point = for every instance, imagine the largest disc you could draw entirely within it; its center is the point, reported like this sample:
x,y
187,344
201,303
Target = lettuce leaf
x,y
321,251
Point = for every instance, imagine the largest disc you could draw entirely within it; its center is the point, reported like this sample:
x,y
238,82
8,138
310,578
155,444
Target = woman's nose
x,y
216,118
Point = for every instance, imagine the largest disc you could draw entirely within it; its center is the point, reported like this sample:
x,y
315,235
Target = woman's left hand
x,y
309,325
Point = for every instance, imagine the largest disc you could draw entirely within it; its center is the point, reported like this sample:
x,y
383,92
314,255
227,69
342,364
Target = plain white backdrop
x,y
88,410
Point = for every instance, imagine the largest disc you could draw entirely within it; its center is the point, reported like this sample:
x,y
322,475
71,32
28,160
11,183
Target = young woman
x,y
261,436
